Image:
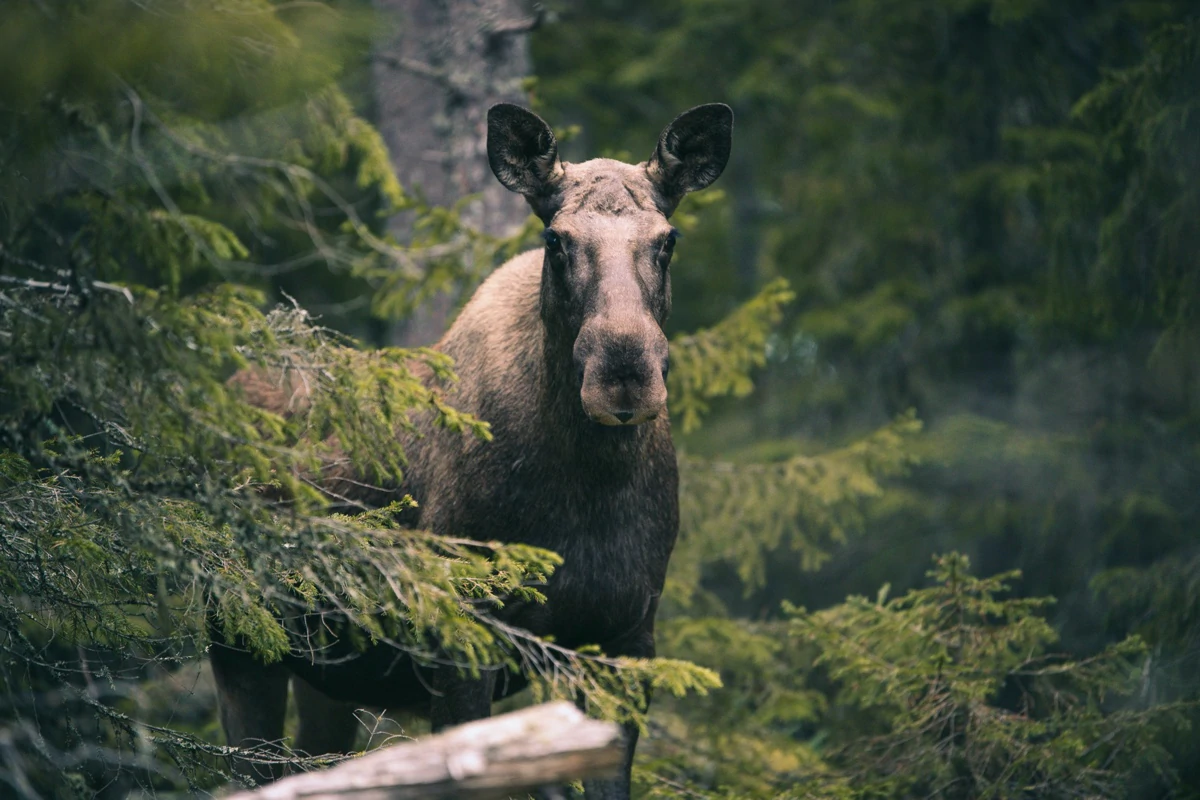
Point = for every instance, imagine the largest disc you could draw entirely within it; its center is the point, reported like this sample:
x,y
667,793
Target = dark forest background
x,y
936,383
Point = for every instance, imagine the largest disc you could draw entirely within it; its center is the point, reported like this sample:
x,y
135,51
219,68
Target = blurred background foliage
x,y
987,210
943,301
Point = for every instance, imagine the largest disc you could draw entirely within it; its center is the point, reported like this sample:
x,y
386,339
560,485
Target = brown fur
x,y
562,351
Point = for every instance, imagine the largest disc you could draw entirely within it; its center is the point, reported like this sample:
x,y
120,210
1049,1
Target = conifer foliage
x,y
944,300
160,165
986,212
961,695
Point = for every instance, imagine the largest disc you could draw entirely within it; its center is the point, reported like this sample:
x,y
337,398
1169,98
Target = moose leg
x,y
253,700
620,787
459,698
327,726
639,645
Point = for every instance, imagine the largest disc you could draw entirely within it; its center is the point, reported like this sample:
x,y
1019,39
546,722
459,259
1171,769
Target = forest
x,y
934,384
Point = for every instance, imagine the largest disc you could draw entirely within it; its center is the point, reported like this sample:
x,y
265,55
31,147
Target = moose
x,y
561,349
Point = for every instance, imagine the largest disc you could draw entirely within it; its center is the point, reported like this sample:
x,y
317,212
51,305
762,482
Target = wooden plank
x,y
547,744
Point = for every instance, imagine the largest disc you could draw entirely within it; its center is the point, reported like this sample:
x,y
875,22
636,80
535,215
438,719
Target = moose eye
x,y
668,248
555,250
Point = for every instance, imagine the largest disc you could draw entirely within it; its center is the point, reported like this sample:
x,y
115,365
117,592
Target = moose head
x,y
606,281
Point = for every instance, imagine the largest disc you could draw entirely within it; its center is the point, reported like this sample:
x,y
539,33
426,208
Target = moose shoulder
x,y
562,351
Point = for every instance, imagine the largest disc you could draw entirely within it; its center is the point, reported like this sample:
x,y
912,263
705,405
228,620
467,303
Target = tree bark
x,y
544,745
448,62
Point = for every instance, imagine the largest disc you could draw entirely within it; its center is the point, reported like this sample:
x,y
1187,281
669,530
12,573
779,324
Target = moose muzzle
x,y
622,370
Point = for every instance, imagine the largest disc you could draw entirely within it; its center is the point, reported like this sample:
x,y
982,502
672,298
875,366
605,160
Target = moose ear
x,y
692,152
522,151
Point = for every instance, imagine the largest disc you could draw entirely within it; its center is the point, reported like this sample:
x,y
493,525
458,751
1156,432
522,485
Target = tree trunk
x,y
449,61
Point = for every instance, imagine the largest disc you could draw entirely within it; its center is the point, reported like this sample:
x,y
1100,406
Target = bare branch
x,y
439,76
517,27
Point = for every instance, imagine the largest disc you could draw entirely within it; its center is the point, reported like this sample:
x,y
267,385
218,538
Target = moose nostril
x,y
623,416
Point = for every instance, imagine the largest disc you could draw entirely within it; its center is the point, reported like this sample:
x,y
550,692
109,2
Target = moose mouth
x,y
623,419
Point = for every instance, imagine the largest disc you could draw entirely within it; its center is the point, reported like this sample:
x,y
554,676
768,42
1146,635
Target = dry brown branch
x,y
547,744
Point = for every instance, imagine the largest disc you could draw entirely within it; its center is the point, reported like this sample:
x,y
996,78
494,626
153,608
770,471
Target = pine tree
x,y
952,691
161,166
984,210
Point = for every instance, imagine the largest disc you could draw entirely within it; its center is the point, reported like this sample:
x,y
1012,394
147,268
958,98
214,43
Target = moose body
x,y
562,351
